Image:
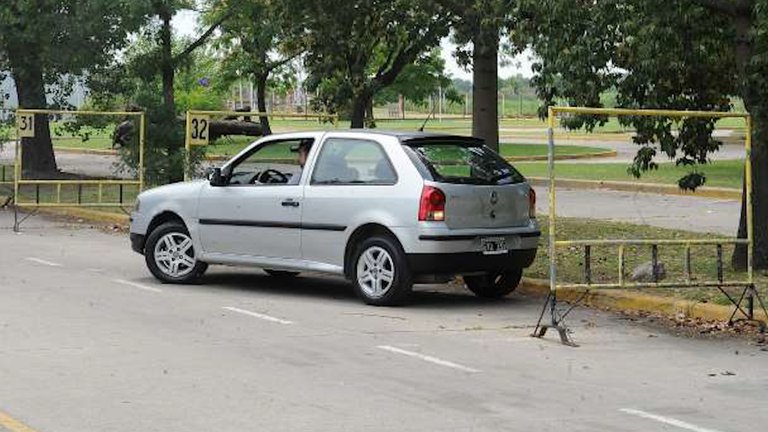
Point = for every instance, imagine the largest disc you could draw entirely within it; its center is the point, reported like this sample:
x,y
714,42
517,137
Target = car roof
x,y
411,136
405,137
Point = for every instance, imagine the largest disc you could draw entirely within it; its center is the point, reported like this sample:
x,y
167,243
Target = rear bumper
x,y
469,262
137,243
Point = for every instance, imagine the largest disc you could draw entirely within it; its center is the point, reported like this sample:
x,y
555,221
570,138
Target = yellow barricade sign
x,y
198,129
25,122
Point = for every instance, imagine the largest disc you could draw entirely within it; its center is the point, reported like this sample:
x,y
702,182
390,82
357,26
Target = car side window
x,y
353,161
274,163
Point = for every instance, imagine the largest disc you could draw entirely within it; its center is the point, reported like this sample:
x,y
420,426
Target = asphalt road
x,y
90,342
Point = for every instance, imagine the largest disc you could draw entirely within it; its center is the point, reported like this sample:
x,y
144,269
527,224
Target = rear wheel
x,y
494,285
282,274
170,256
380,274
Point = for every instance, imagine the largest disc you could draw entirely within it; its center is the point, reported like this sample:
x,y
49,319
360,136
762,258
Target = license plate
x,y
493,245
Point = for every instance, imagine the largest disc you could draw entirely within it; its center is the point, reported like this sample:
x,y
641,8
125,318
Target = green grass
x,y
604,262
522,150
94,143
718,173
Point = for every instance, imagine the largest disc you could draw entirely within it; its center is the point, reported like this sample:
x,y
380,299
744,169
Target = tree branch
x,y
733,8
201,40
403,58
270,66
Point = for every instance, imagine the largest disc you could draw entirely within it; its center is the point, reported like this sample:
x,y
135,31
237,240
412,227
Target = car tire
x,y
380,272
494,285
281,274
170,255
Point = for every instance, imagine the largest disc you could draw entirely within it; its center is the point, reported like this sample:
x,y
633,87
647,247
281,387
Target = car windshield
x,y
465,162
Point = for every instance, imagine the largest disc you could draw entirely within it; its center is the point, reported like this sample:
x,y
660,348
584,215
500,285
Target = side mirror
x,y
215,178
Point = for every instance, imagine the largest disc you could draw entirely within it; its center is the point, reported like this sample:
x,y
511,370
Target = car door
x,y
350,176
257,212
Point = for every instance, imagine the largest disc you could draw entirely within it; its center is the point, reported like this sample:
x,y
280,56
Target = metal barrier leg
x,y
554,322
749,294
17,222
15,218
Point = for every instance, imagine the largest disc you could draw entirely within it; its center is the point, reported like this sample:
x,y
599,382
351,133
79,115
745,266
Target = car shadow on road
x,y
307,285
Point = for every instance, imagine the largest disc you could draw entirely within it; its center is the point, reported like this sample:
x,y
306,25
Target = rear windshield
x,y
464,162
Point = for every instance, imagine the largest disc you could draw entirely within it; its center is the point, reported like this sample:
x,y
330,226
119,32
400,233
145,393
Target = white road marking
x,y
137,285
44,262
427,358
258,315
667,420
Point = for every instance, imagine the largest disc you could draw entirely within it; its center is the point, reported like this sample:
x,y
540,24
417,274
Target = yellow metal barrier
x,y
25,119
554,244
197,126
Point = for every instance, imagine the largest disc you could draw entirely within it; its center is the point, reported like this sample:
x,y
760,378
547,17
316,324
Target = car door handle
x,y
289,203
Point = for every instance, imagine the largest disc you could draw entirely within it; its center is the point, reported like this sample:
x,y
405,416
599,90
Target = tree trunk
x,y
759,201
485,110
261,102
219,128
38,160
167,66
359,107
759,156
369,121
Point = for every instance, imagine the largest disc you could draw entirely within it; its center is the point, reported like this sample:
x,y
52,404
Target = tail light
x,y
432,206
531,203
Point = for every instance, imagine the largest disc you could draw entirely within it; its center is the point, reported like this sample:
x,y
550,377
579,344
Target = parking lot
x,y
90,342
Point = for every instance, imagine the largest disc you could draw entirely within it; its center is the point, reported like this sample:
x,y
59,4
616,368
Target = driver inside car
x,y
303,151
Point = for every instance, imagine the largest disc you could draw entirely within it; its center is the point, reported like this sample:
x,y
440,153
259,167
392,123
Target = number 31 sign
x,y
198,129
26,124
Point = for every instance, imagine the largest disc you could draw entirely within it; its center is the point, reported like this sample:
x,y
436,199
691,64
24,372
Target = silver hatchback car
x,y
385,210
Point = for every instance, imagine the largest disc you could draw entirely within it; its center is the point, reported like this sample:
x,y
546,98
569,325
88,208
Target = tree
x,y
251,44
157,56
686,55
358,47
420,80
136,84
45,41
479,27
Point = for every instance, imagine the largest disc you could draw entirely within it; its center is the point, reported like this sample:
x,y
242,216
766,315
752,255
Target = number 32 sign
x,y
26,125
198,129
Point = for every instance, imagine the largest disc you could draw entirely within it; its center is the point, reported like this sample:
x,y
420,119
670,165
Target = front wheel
x,y
494,285
170,256
380,274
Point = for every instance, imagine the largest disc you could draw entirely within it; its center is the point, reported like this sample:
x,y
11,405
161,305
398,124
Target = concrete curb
x,y
625,301
662,189
89,215
593,155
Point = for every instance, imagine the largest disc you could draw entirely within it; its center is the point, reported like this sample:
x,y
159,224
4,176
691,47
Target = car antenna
x,y
431,114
